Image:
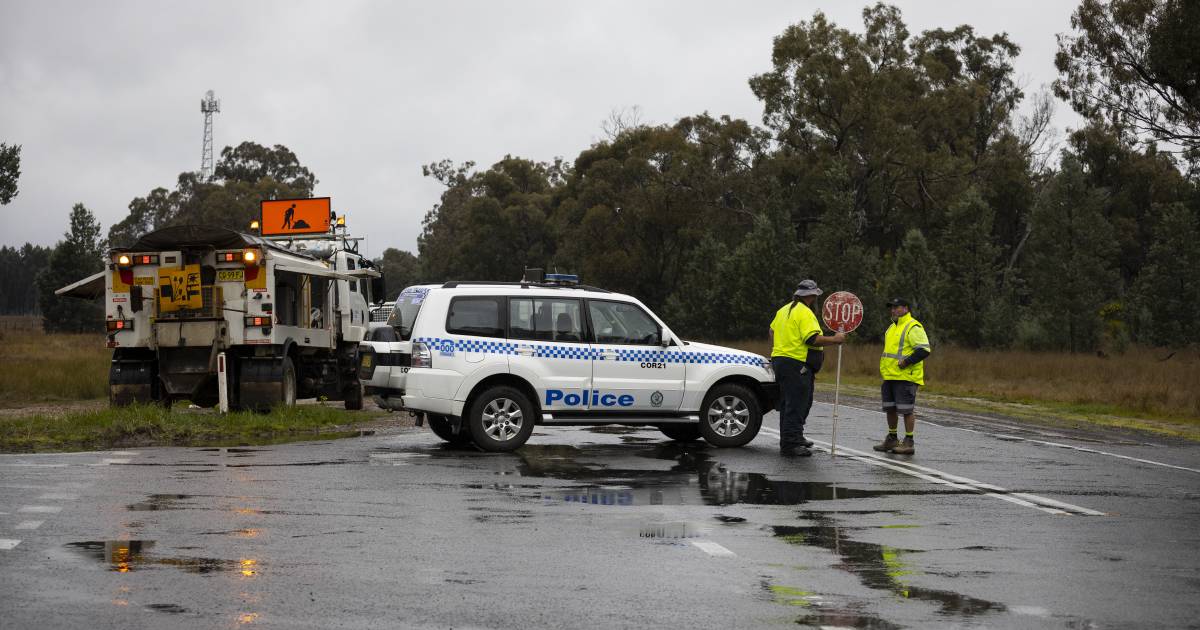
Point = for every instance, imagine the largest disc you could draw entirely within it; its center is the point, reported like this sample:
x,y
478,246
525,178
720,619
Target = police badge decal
x,y
656,399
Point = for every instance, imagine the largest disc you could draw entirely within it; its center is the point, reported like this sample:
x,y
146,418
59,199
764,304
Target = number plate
x,y
231,275
144,280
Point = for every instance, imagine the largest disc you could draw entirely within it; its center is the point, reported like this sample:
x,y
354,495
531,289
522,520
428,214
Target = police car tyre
x,y
681,432
730,416
500,419
441,427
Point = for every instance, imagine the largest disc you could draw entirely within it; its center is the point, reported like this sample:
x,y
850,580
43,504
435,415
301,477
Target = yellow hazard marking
x,y
179,289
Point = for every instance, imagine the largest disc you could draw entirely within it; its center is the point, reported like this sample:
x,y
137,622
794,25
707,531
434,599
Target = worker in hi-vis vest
x,y
796,355
905,346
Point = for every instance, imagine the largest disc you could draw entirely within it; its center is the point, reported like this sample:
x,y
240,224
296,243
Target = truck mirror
x,y
135,298
378,288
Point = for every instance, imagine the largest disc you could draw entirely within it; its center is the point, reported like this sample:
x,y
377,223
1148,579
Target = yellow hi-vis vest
x,y
794,323
901,339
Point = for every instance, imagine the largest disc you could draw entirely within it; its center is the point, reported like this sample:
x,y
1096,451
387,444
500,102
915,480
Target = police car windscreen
x,y
404,312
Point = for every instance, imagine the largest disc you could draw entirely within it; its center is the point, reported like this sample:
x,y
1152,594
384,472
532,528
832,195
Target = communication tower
x,y
208,106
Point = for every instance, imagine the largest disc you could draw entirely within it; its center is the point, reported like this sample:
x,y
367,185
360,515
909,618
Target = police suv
x,y
485,362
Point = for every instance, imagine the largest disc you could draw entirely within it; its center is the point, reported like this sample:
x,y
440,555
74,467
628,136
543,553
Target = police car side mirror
x,y
663,340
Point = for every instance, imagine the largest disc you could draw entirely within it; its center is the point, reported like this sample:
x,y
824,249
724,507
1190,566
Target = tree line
x,y
886,163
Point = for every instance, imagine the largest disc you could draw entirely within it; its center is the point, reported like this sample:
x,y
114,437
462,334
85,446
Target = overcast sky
x,y
104,96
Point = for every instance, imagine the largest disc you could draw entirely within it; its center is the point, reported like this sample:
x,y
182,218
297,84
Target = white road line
x,y
713,549
1005,436
28,525
1044,504
108,461
40,509
58,496
8,543
25,465
126,453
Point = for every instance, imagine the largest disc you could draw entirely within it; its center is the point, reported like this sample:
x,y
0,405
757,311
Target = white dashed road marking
x,y
58,496
29,525
40,509
1044,504
108,461
8,543
714,549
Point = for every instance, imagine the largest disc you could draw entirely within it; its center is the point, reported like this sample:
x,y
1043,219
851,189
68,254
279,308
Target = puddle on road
x,y
692,478
174,609
881,567
124,556
156,502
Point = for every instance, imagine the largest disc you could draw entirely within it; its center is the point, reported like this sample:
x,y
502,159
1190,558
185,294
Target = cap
x,y
898,302
807,287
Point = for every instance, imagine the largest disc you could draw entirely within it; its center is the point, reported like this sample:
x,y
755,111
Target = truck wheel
x,y
441,427
681,432
500,419
131,382
287,385
730,416
353,396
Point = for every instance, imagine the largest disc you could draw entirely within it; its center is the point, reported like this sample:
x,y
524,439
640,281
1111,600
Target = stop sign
x,y
843,312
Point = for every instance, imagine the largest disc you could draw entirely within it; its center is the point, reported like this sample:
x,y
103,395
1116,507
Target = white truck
x,y
288,312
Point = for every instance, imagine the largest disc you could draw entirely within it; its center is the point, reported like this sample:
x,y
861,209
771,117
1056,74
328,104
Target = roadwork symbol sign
x,y
295,216
843,312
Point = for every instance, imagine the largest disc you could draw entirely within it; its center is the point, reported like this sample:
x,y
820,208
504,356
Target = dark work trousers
x,y
795,400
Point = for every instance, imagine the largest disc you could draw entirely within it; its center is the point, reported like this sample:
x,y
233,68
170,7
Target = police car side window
x,y
545,319
477,316
622,323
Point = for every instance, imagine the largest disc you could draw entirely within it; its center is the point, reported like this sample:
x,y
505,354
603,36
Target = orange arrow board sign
x,y
281,217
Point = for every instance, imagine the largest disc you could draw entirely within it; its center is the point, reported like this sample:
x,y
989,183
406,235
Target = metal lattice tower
x,y
208,106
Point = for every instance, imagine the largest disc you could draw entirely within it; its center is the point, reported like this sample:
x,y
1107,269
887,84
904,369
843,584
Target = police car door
x,y
551,351
630,362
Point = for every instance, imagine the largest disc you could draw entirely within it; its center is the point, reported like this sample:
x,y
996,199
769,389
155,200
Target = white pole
x,y
222,384
837,386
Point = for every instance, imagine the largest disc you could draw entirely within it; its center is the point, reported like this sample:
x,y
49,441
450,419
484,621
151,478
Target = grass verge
x,y
50,368
154,426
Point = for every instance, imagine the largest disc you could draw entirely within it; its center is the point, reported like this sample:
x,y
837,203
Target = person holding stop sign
x,y
796,342
905,346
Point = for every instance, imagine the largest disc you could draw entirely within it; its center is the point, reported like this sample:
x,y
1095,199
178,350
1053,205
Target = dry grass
x,y
1139,383
48,368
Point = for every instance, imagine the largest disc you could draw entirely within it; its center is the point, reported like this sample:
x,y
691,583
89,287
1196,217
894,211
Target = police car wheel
x,y
441,427
681,432
730,416
501,419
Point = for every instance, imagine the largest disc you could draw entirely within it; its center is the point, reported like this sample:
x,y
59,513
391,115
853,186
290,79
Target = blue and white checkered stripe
x,y
588,353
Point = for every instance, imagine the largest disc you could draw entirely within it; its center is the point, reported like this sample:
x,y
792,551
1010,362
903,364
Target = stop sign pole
x,y
842,312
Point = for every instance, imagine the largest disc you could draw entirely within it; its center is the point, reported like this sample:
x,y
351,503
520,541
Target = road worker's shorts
x,y
899,396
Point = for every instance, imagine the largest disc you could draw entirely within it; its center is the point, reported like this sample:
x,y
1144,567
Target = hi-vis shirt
x,y
901,340
794,324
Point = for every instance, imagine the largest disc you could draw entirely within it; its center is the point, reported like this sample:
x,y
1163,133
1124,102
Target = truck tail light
x,y
258,321
251,256
422,355
117,325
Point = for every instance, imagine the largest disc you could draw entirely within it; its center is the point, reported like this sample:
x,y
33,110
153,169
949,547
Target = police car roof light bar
x,y
543,285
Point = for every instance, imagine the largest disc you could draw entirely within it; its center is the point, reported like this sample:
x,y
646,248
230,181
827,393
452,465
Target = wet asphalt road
x,y
1001,526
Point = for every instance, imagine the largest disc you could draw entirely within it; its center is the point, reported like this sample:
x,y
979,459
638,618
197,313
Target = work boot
x,y
795,451
905,448
890,442
805,441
